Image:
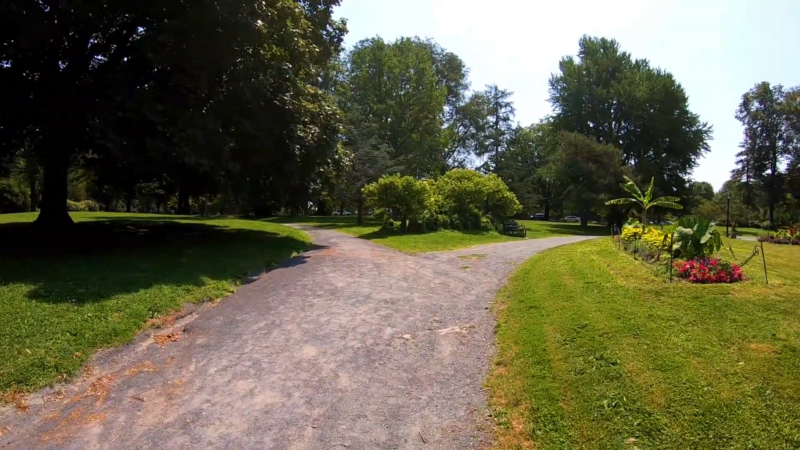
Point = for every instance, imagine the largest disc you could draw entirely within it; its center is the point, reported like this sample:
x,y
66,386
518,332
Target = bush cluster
x,y
83,206
461,199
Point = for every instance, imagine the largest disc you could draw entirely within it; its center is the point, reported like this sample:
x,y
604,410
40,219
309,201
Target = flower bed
x,y
785,237
708,270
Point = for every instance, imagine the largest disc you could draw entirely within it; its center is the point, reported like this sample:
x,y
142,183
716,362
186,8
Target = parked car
x,y
538,216
572,219
337,212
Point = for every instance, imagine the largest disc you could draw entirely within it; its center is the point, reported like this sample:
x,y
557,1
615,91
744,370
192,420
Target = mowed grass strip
x,y
60,301
597,351
440,240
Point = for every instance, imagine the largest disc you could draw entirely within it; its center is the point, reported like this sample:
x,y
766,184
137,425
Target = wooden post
x,y
764,259
671,256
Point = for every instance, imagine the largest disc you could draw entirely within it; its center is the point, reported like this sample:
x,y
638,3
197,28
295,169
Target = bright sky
x,y
717,49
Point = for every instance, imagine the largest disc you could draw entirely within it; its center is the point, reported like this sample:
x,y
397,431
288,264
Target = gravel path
x,y
352,345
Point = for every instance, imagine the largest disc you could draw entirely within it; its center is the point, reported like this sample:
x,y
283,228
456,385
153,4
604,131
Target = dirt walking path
x,y
352,345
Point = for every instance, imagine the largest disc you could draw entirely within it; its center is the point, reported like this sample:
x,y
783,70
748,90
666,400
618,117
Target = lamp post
x,y
728,216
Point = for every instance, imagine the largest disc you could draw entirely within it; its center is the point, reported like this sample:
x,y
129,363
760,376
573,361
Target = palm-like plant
x,y
645,200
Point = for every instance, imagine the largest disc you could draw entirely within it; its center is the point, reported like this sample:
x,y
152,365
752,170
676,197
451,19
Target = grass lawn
x,y
441,240
596,351
751,231
62,299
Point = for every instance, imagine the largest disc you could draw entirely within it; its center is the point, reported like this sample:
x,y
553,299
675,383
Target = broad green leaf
x,y
665,204
623,201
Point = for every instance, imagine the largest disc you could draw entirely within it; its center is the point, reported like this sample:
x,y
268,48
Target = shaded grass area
x,y
440,240
594,350
61,297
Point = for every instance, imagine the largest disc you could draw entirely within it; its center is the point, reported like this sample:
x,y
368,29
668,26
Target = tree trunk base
x,y
53,219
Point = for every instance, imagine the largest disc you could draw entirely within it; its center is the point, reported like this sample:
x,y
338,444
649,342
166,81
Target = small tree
x,y
406,197
645,201
470,195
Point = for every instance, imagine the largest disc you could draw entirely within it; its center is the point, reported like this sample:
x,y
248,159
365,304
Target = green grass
x,y
441,240
63,297
595,350
751,231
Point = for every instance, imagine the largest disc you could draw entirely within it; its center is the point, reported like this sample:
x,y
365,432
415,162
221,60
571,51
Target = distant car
x,y
572,219
347,213
538,216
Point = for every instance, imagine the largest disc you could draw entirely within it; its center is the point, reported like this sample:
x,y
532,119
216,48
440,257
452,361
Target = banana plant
x,y
645,201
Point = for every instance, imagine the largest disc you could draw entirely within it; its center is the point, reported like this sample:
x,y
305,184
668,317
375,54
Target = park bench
x,y
513,228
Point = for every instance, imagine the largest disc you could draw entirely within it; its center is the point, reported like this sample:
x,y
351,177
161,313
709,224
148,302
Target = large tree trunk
x,y
547,211
54,196
360,206
128,204
33,176
184,207
772,214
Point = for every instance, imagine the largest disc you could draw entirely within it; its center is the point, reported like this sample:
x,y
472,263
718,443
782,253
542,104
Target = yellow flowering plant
x,y
653,238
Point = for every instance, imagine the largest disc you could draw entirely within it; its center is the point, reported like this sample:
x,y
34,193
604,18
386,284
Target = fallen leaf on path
x,y
164,339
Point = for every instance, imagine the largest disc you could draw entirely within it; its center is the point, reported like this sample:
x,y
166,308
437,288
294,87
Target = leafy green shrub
x,y
461,200
83,206
402,198
696,237
75,206
14,194
469,195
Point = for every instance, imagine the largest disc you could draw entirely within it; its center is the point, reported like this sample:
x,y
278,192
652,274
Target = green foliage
x,y
606,94
410,89
14,194
83,206
646,200
399,197
180,91
584,170
468,196
696,237
460,199
770,140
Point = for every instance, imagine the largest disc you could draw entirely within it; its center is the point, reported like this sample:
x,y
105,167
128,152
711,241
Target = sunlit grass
x,y
441,240
62,299
596,350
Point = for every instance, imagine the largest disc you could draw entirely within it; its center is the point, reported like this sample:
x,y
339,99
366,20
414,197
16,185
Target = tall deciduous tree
x,y
365,159
219,88
520,166
411,90
499,125
624,102
769,141
586,171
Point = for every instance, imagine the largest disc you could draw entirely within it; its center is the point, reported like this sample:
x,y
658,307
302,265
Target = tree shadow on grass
x,y
326,222
96,260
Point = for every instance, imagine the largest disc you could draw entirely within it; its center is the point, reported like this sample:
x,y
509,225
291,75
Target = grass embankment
x,y
62,299
440,240
597,351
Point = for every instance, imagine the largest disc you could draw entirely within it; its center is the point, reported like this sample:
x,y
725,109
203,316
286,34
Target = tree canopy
x,y
202,93
625,102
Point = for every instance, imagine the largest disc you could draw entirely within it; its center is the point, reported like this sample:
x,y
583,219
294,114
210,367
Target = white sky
x,y
716,49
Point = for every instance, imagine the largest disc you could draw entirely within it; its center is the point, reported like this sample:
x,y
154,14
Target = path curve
x,y
352,345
